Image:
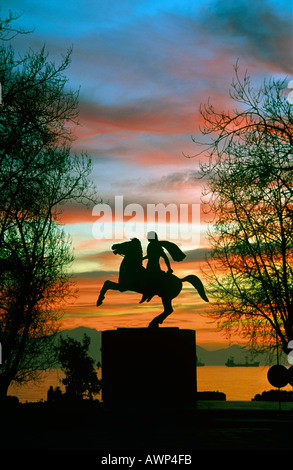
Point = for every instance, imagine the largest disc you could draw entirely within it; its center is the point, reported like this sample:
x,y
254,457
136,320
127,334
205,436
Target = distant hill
x,y
209,358
239,353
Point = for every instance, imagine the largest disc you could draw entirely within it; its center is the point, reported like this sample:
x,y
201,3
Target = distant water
x,y
238,383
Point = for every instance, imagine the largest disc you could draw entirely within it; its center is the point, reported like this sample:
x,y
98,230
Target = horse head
x,y
131,248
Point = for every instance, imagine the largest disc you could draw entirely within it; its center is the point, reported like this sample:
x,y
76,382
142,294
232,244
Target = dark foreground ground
x,y
92,432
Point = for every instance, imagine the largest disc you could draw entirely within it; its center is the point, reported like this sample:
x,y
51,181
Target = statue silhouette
x,y
151,281
154,252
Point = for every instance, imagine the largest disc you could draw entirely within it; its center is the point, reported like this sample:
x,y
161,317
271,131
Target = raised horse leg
x,y
107,285
168,309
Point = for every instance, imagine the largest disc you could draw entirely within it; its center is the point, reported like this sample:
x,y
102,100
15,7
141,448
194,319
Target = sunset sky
x,y
143,68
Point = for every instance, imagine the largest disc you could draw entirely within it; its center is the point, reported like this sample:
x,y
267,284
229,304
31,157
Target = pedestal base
x,y
149,366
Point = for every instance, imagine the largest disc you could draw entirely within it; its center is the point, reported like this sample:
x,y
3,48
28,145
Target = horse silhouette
x,y
134,277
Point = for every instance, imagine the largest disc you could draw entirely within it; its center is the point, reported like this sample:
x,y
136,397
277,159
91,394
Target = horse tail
x,y
196,282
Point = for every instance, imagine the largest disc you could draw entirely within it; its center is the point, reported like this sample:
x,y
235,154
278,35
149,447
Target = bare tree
x,y
249,194
38,173
32,284
7,29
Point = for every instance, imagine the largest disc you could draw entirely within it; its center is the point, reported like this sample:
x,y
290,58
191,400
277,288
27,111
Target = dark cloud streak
x,y
252,29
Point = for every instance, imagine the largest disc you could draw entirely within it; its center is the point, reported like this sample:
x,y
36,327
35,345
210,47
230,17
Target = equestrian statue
x,y
152,280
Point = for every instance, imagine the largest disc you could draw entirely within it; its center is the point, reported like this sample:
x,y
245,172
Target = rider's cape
x,y
173,250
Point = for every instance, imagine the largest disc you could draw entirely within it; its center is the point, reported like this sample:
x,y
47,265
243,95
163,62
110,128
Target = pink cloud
x,y
166,115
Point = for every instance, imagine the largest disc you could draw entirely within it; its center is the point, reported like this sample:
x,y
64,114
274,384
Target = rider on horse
x,y
151,281
154,253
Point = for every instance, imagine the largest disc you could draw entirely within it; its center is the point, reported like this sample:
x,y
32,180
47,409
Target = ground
x,y
95,431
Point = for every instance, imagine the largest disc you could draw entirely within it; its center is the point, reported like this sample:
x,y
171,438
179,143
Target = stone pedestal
x,y
149,366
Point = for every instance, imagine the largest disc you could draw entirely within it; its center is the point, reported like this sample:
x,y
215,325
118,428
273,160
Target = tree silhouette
x,y
38,174
81,377
249,195
7,29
